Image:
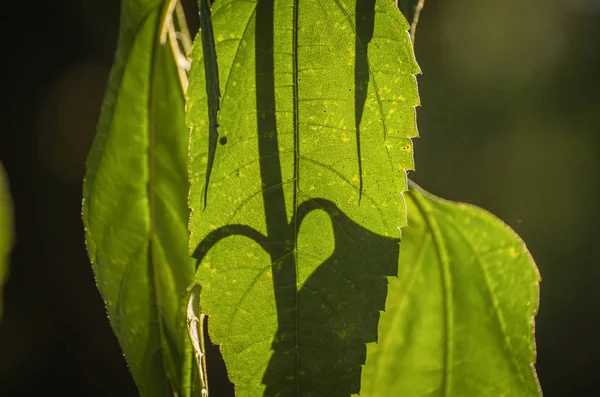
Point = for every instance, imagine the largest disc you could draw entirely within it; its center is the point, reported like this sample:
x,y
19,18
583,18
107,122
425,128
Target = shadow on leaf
x,y
328,273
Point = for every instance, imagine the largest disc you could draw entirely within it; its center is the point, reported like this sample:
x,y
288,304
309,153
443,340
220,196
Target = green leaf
x,y
300,223
6,232
135,208
411,9
459,317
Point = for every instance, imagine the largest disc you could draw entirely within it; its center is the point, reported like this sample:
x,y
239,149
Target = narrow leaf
x,y
304,200
459,318
6,232
135,209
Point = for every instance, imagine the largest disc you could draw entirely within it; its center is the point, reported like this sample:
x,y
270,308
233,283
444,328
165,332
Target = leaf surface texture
x,y
135,208
459,317
297,228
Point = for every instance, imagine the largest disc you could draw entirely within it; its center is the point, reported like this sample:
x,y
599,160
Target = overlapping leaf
x,y
6,232
135,208
459,317
296,210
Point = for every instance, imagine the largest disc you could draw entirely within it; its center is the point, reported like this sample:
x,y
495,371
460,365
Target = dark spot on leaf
x,y
223,140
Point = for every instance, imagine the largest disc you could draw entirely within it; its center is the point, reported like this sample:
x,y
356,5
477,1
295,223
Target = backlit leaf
x,y
297,225
135,209
459,317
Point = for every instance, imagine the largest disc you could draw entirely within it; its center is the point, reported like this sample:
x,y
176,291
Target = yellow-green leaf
x,y
297,224
459,318
135,208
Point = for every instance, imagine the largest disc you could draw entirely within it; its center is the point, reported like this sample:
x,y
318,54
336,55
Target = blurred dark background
x,y
511,97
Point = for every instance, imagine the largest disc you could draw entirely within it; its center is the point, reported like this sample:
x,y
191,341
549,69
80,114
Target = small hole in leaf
x,y
223,140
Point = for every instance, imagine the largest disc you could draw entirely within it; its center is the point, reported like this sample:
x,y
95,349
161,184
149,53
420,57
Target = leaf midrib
x,y
497,311
136,36
297,181
151,191
297,155
442,254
